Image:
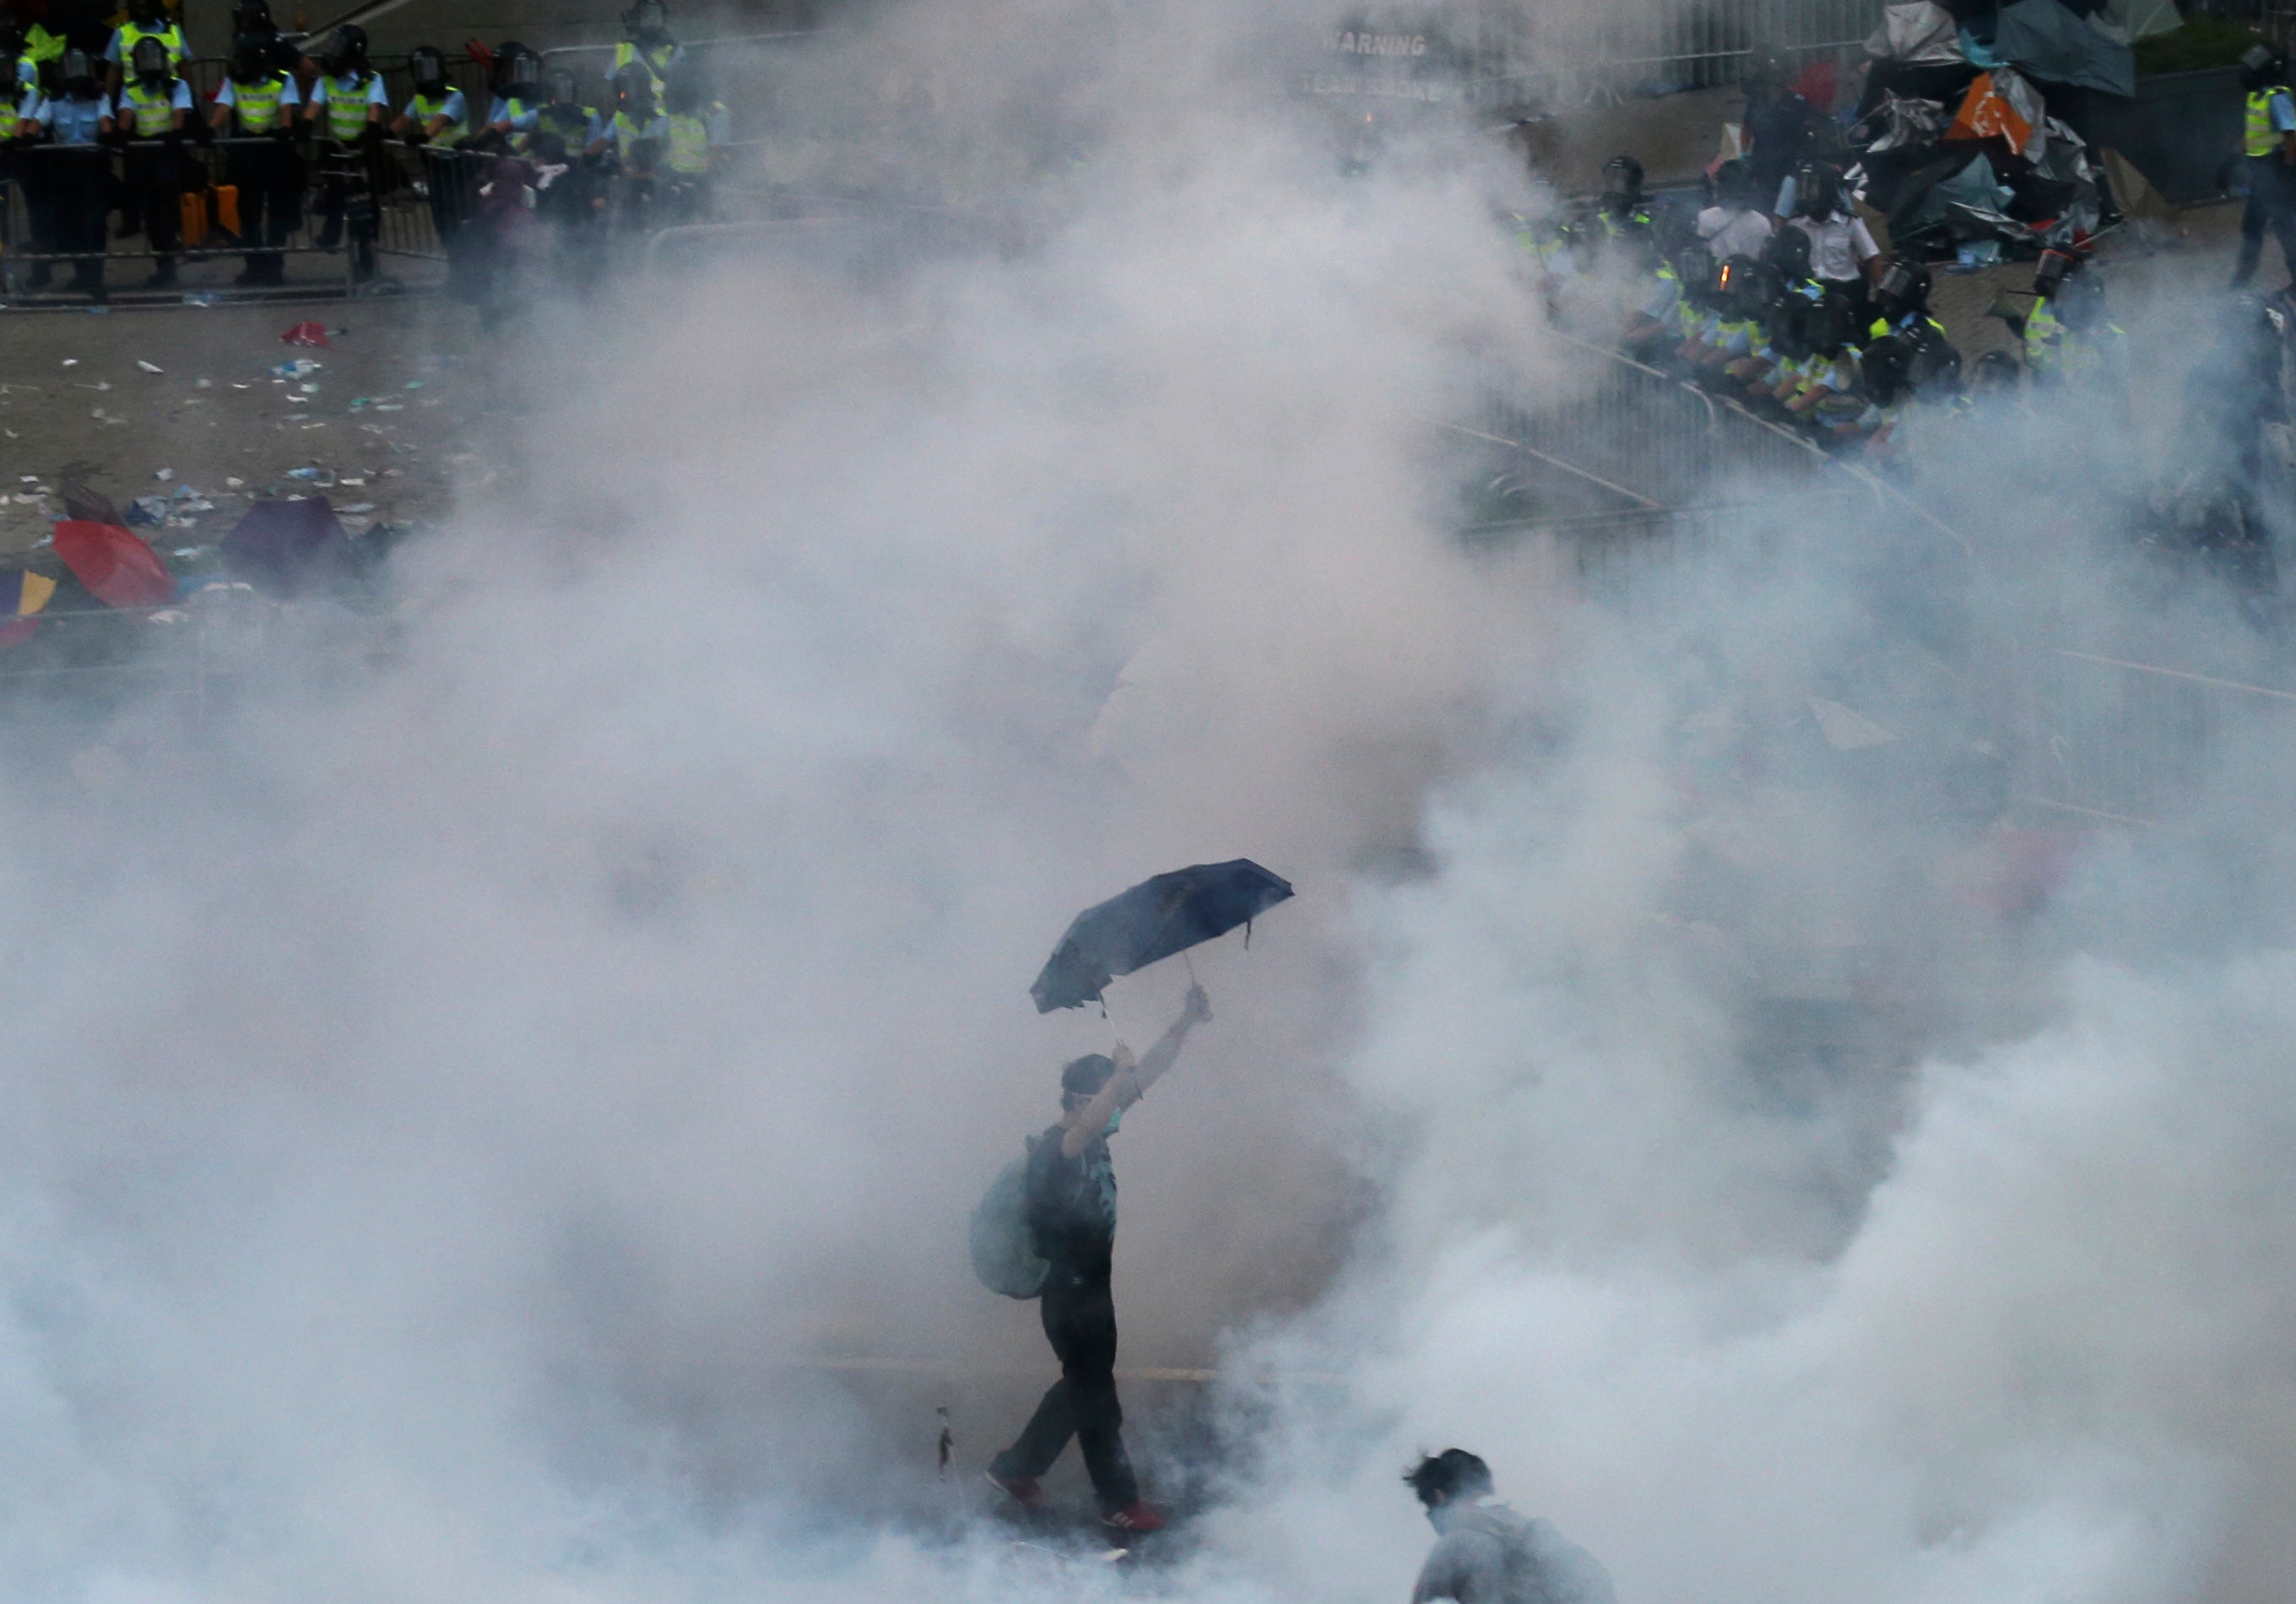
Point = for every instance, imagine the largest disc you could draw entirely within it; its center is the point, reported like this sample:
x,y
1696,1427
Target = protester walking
x,y
1070,1201
1488,1554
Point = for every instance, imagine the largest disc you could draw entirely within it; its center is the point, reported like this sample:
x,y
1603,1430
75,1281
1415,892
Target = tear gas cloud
x,y
455,1104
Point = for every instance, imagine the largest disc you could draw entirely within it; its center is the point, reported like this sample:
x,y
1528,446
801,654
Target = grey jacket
x,y
1488,1554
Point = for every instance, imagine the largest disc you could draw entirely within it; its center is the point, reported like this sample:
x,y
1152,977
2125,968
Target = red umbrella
x,y
117,567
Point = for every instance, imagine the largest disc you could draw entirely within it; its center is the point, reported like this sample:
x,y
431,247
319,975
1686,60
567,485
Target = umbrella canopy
x,y
289,547
118,568
1156,918
2055,45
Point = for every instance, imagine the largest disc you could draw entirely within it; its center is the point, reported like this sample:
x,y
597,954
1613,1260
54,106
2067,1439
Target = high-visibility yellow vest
x,y
520,138
657,61
628,131
154,109
689,146
347,108
257,103
428,108
132,34
2263,139
569,123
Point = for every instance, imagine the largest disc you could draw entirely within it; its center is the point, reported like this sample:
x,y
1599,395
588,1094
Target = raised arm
x,y
1133,1076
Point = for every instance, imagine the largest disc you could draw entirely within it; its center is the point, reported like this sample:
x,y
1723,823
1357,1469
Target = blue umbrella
x,y
1156,918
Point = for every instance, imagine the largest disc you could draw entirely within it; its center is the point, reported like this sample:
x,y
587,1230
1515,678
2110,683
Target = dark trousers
x,y
2270,206
346,197
270,201
1080,1321
155,189
69,189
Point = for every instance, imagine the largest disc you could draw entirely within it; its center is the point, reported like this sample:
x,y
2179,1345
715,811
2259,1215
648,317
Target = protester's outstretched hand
x,y
1198,1007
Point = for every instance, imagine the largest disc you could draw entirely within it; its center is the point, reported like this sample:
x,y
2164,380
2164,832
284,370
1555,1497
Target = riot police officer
x,y
154,108
349,106
256,108
2268,155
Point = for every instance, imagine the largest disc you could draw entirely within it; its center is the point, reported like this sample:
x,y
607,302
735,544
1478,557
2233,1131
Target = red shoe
x,y
1136,1517
1023,1489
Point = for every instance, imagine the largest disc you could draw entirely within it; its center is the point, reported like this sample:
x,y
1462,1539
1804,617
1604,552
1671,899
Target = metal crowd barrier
x,y
1696,46
2109,740
317,186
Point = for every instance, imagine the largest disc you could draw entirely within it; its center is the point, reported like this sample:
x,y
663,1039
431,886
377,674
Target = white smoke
x,y
459,1101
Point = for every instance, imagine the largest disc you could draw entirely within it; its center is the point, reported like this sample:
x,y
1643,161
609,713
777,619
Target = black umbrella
x,y
1156,918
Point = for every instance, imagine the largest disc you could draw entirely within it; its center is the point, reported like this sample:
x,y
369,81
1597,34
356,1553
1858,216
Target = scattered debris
x,y
149,367
163,474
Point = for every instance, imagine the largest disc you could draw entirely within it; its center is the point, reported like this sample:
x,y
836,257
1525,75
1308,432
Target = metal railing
x,y
2110,740
283,202
1524,53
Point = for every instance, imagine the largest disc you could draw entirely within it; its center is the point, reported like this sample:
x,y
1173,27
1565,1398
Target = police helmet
x,y
251,58
1694,271
78,69
1788,251
1904,286
426,64
515,67
1817,191
345,51
1622,182
1761,287
253,16
2263,67
634,85
2056,267
12,37
148,13
647,19
1885,370
1832,322
150,60
1726,283
1937,365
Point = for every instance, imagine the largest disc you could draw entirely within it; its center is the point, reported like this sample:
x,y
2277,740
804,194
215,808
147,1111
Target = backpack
x,y
1005,1254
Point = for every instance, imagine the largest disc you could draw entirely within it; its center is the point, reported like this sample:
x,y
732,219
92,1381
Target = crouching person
x,y
1488,1554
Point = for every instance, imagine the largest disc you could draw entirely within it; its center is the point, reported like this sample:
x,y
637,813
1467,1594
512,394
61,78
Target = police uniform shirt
x,y
454,108
374,92
2283,112
180,100
288,95
498,115
609,128
1839,246
1729,233
28,104
179,50
69,121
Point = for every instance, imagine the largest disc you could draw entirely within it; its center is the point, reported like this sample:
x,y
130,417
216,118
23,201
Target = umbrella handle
x,y
1192,967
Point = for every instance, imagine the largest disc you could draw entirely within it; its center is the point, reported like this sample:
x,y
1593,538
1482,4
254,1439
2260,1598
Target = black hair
x,y
1084,1077
1449,1475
